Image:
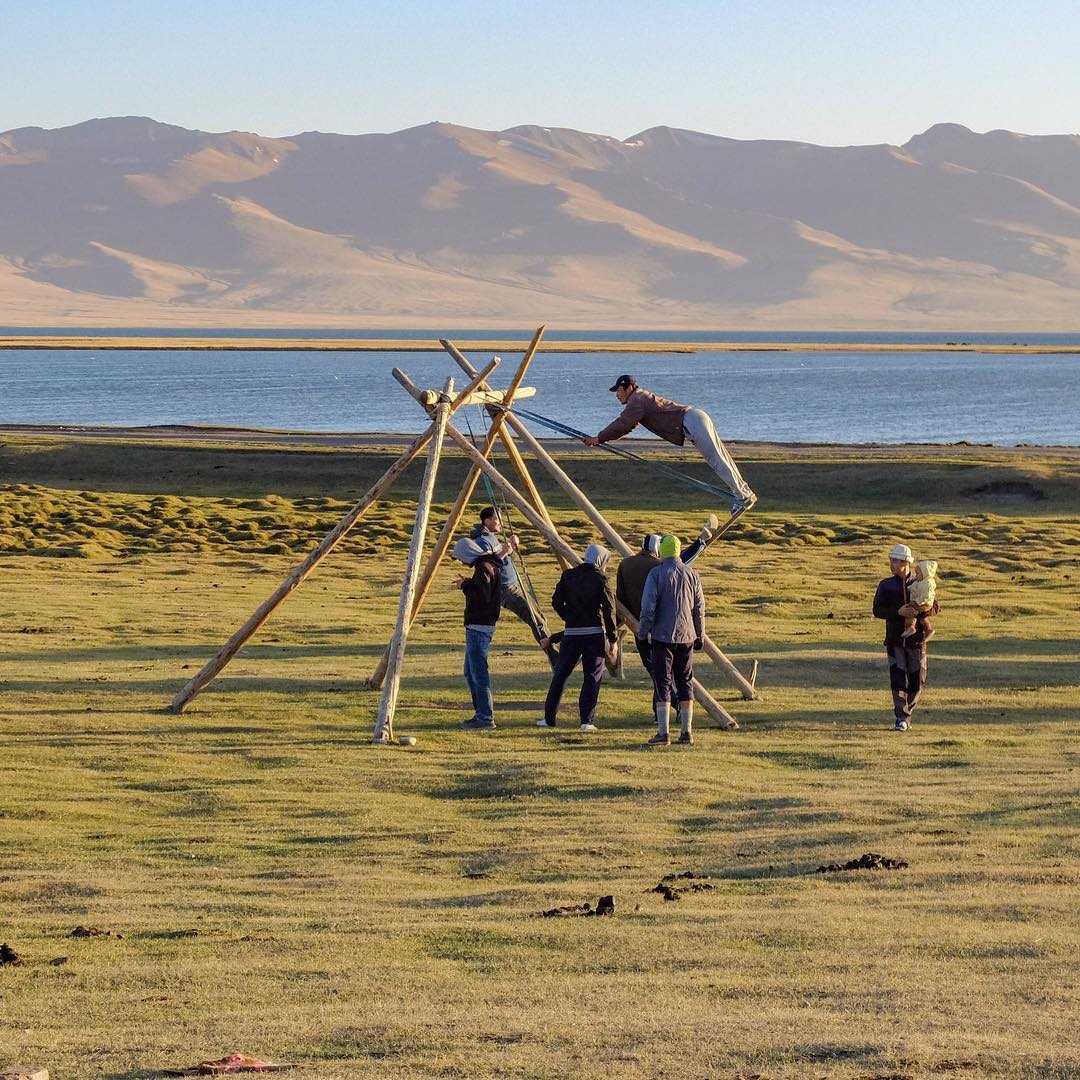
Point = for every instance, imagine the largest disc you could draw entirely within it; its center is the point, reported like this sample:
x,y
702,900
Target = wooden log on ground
x,y
384,722
215,665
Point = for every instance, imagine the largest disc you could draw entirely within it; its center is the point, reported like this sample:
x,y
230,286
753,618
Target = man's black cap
x,y
624,382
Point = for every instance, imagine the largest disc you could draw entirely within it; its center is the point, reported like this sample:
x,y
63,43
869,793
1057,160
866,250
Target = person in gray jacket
x,y
673,618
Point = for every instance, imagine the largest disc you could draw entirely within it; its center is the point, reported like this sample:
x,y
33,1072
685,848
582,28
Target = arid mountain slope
x,y
126,220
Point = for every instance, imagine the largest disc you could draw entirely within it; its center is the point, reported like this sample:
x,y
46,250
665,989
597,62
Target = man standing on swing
x,y
514,597
675,423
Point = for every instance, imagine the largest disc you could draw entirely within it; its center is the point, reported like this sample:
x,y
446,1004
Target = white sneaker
x,y
543,723
588,727
901,725
712,523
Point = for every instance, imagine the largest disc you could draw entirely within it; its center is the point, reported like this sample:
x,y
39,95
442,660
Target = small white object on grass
x,y
407,740
23,1073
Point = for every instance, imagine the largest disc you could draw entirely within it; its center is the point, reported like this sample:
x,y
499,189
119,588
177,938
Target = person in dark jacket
x,y
907,655
514,597
675,423
482,606
673,618
630,584
584,601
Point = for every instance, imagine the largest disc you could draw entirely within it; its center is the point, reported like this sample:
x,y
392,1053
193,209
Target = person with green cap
x,y
673,619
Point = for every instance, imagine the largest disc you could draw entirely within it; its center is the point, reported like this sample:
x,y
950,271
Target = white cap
x,y
901,551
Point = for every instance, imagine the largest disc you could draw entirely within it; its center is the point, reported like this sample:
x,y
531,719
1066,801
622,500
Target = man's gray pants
x,y
513,599
907,677
699,429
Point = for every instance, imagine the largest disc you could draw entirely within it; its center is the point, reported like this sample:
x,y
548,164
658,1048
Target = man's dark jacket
x,y
891,595
630,580
583,598
483,592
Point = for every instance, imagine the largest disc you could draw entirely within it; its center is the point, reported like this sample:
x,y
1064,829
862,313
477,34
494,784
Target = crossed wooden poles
x,y
417,582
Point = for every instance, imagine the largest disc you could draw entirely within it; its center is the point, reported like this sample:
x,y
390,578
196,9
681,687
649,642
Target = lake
x,y
839,397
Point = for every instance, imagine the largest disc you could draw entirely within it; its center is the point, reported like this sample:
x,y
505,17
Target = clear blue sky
x,y
828,71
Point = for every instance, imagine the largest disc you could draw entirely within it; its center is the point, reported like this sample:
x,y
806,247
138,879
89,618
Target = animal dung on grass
x,y
870,861
231,1063
93,931
604,906
9,957
691,882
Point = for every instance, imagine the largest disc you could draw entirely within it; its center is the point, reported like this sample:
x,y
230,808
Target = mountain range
x,y
128,221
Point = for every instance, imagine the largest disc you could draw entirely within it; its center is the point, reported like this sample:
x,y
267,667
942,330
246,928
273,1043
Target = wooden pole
x,y
708,702
384,722
442,544
512,452
615,539
215,665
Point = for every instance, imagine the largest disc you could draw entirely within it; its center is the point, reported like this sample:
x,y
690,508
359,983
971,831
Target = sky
x,y
835,72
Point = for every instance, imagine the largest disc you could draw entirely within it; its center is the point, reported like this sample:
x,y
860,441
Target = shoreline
x,y
269,437
413,345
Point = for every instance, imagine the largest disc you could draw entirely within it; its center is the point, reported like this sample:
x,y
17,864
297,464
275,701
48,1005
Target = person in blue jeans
x,y
482,606
584,600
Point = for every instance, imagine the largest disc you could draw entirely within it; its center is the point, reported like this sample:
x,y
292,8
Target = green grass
x,y
285,889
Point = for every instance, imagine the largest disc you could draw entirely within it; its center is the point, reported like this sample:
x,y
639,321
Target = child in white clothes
x,y
921,592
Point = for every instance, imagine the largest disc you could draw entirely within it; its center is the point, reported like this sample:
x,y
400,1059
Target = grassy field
x,y
284,889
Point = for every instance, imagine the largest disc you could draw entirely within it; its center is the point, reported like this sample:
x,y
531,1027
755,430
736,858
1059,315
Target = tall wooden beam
x,y
442,543
384,722
263,612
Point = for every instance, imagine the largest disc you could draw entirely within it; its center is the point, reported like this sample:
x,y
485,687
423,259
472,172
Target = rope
x,y
621,451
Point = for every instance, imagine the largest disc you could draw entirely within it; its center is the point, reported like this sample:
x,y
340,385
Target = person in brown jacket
x,y
675,423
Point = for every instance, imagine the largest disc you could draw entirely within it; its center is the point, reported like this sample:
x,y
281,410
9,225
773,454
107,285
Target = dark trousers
x,y
672,672
644,650
515,600
907,677
589,649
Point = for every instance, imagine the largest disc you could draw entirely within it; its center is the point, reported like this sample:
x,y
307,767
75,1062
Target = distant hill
x,y
129,221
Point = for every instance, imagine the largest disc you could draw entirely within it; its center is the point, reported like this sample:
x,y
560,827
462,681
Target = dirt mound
x,y
870,861
93,931
691,882
9,957
604,906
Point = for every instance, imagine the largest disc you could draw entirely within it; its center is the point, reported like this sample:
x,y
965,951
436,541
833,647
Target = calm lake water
x,y
784,397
